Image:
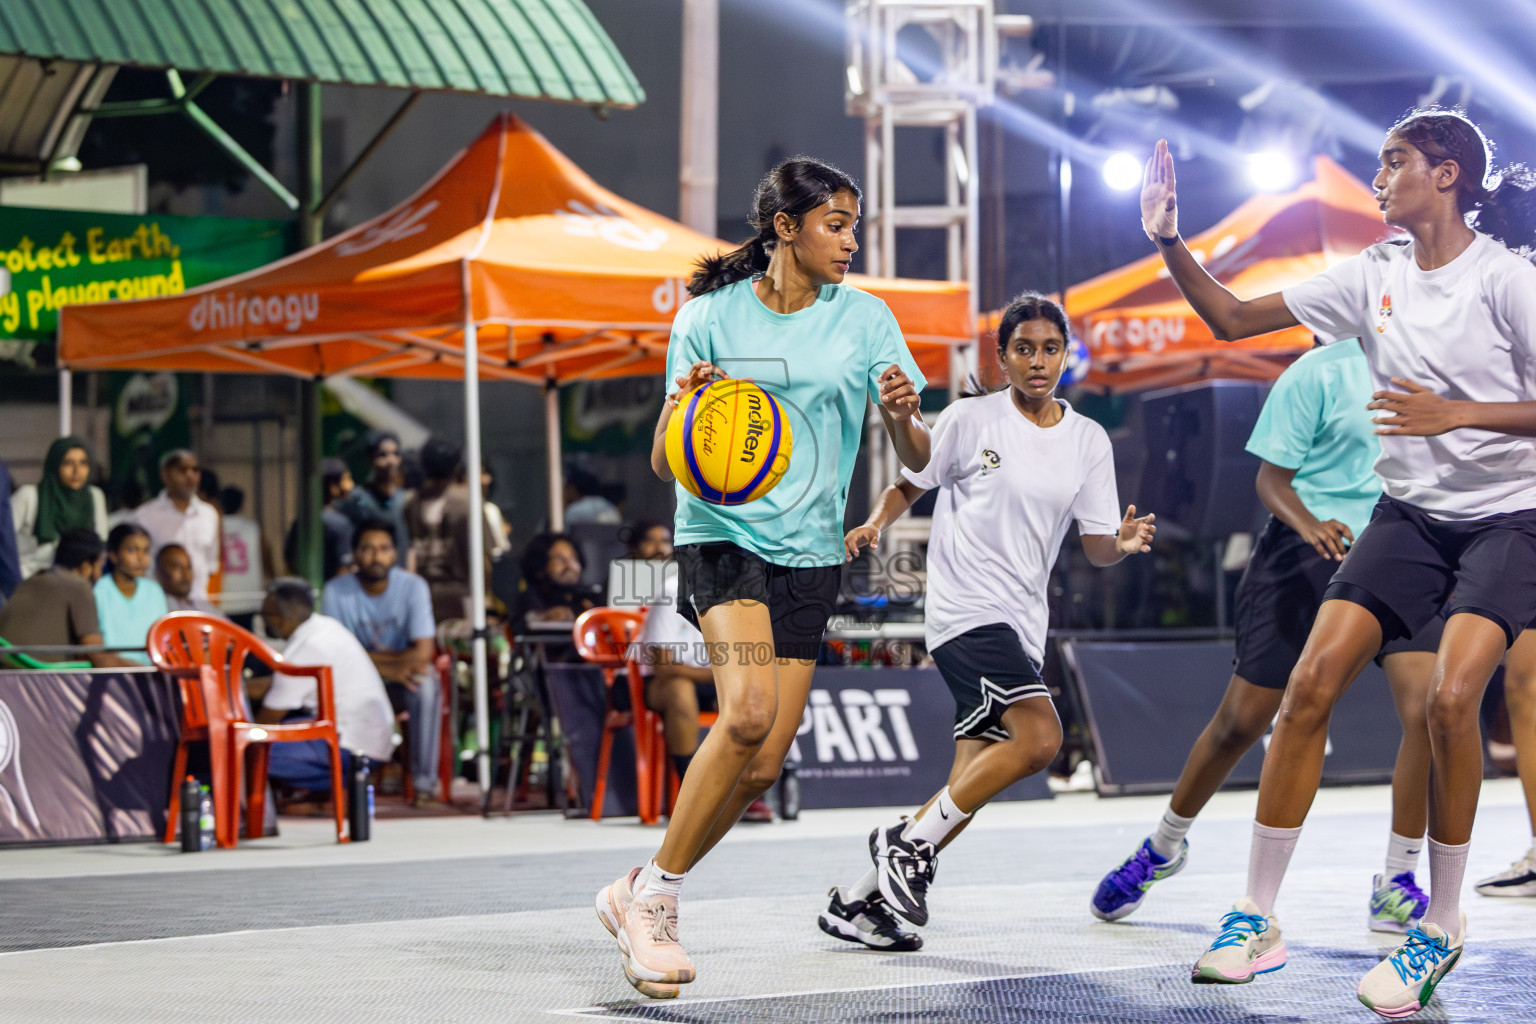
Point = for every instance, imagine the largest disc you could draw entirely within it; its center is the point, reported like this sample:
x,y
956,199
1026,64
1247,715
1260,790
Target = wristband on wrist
x,y
1168,241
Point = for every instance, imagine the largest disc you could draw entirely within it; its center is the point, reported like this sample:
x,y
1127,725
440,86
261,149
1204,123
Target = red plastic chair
x,y
603,638
205,655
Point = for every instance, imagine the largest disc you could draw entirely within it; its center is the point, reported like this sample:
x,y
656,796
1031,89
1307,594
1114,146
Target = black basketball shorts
x,y
1408,565
1277,601
799,599
987,670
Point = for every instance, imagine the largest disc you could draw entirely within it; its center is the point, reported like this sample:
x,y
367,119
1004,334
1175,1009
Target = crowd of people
x,y
80,584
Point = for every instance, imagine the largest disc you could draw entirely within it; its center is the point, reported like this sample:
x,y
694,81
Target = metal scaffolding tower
x,y
924,65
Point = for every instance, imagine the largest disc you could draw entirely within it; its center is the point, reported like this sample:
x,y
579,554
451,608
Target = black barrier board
x,y
1147,702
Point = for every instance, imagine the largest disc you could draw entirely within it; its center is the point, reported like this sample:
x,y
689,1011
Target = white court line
x,y
595,1012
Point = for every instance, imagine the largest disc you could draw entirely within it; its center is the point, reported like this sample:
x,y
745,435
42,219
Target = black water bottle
x,y
789,791
191,811
360,801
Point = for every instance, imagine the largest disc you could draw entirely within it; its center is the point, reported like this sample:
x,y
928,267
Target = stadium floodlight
x,y
1272,171
1122,171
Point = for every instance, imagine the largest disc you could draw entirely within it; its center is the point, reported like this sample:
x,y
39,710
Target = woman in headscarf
x,y
63,499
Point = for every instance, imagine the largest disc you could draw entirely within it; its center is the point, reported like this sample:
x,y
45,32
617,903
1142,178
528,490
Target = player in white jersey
x,y
1013,469
1448,324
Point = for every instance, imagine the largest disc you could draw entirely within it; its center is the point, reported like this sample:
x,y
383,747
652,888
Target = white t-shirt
x,y
364,719
665,627
1468,332
196,529
1007,492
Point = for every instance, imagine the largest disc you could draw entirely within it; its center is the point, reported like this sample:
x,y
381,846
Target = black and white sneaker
x,y
905,870
868,922
1518,880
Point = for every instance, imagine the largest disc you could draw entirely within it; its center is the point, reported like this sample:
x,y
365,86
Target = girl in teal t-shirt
x,y
127,601
760,579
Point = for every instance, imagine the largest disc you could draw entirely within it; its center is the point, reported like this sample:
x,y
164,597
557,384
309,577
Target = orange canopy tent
x,y
1141,333
559,278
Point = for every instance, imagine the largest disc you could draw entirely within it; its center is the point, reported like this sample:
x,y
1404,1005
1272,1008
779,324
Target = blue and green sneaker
x,y
1396,903
1123,889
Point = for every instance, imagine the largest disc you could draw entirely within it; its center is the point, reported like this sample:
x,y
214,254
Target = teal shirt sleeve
x,y
887,346
1289,422
686,345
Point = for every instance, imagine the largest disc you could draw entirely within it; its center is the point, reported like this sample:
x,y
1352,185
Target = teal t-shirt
x,y
820,362
1315,421
125,621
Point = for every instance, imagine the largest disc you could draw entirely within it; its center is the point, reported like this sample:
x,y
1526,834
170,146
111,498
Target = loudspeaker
x,y
1197,475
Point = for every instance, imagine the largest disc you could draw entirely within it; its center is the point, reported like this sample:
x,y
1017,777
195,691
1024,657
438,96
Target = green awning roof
x,y
543,49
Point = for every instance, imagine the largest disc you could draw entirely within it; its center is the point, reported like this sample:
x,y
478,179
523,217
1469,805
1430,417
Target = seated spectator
x,y
551,590
244,559
650,539
679,681
365,722
584,500
173,571
336,482
382,496
389,610
437,516
127,601
179,516
64,498
56,607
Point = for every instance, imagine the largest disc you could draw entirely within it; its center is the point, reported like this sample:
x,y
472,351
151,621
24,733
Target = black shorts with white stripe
x,y
987,670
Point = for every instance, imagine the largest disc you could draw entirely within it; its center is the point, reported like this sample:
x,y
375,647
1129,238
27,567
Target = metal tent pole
x,y
66,403
472,462
552,444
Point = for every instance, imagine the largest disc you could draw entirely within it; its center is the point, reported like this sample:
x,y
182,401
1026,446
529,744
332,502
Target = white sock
x,y
1268,858
1447,867
863,889
1402,854
942,818
1169,835
659,883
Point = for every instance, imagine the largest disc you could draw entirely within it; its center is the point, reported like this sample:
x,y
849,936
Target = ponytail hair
x,y
795,187
1500,204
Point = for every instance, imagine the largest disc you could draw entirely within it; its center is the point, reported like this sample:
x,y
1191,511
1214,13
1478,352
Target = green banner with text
x,y
63,257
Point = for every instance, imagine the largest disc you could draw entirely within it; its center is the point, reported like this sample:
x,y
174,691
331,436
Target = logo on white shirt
x,y
990,460
1384,313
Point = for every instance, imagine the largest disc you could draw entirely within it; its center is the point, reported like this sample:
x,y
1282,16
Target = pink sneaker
x,y
612,904
648,939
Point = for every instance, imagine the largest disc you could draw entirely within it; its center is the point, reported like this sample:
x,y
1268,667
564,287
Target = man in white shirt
x,y
179,516
364,720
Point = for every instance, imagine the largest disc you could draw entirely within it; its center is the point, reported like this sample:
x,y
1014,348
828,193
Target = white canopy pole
x,y
698,167
552,444
472,463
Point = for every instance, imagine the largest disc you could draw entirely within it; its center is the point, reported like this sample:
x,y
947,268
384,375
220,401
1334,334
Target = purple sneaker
x,y
1123,889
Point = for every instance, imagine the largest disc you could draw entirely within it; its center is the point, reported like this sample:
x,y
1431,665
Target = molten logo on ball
x,y
729,442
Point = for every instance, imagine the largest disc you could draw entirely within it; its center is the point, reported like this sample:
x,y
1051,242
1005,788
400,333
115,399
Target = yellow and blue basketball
x,y
728,442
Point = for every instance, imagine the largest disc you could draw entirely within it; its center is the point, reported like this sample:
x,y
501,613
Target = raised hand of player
x,y
1135,536
1331,538
898,395
1415,411
861,536
1159,196
699,373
